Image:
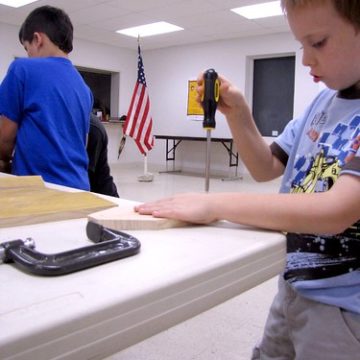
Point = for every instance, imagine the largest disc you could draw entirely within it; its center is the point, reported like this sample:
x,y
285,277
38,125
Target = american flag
x,y
138,124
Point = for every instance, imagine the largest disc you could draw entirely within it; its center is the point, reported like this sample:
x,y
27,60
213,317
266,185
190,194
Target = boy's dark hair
x,y
53,22
348,9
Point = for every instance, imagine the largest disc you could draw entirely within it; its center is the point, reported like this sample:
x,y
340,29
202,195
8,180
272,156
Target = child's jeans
x,y
302,329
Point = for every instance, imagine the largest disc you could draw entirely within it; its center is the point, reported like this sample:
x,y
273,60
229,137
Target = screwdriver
x,y
209,101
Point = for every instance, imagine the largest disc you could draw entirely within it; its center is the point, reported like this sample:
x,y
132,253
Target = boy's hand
x,y
231,99
193,207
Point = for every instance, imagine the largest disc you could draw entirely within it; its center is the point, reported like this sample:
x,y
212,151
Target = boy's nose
x,y
307,58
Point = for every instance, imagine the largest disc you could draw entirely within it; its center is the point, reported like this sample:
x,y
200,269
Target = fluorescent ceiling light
x,y
157,28
16,3
258,11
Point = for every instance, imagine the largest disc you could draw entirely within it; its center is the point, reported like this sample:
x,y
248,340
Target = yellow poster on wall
x,y
194,109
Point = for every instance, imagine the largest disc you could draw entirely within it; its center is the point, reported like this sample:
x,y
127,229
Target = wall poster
x,y
194,109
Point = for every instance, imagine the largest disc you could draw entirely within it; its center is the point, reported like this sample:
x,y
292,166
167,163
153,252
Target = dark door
x,y
273,93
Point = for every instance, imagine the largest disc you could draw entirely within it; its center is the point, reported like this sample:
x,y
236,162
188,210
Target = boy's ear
x,y
37,39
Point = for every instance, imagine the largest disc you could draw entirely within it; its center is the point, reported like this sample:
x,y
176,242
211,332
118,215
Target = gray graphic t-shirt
x,y
319,147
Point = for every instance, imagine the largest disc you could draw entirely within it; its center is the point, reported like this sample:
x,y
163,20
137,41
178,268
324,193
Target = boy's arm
x,y
252,148
8,130
329,212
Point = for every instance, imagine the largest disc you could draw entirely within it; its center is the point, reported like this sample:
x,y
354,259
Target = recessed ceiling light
x,y
258,11
16,3
157,28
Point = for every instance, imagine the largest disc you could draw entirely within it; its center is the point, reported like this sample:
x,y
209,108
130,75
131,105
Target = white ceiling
x,y
203,20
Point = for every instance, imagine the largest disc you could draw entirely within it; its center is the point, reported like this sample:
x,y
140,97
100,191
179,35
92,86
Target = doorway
x,y
273,93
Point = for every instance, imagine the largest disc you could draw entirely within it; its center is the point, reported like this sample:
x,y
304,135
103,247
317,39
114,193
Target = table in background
x,y
228,144
93,313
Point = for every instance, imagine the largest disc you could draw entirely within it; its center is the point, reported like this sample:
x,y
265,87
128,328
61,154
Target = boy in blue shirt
x,y
45,105
316,313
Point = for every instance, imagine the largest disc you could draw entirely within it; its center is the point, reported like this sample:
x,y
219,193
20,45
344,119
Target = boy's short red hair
x,y
347,9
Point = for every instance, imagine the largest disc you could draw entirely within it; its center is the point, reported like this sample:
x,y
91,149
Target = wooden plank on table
x,y
26,200
124,217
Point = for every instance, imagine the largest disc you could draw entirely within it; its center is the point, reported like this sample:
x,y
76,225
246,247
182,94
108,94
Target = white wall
x,y
167,73
10,47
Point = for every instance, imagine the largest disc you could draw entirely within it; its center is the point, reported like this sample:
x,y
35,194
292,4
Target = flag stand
x,y
147,177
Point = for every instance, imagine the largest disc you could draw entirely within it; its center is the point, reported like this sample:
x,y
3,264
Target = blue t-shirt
x,y
51,104
322,145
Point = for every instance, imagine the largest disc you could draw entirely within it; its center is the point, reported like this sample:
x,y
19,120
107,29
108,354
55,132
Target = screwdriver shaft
x,y
207,160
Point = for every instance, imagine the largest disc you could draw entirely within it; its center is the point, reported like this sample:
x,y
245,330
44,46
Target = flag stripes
x,y
138,123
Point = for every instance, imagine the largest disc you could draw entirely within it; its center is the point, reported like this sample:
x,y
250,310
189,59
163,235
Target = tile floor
x,y
227,331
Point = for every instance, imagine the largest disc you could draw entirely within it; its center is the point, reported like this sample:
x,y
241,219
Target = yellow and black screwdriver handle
x,y
210,98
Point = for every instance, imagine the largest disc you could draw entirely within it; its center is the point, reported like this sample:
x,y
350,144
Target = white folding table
x,y
96,312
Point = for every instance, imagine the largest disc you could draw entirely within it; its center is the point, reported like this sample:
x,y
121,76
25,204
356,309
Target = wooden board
x,y
26,200
124,217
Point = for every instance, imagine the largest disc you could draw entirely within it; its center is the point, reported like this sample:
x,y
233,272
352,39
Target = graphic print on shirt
x,y
319,256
